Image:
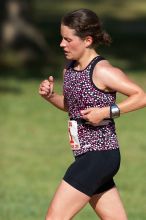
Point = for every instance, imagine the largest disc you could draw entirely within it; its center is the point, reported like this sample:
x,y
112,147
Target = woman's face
x,y
73,46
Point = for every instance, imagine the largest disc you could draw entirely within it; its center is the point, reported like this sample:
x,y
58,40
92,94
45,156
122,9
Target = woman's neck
x,y
85,60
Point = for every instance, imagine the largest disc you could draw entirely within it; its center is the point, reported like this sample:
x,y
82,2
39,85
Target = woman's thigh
x,y
108,205
66,202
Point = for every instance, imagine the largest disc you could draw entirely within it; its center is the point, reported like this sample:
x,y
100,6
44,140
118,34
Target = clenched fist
x,y
46,88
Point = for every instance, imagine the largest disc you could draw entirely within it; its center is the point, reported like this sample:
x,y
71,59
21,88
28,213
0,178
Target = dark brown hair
x,y
86,23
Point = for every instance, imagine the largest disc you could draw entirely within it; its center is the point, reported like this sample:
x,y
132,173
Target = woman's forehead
x,y
67,31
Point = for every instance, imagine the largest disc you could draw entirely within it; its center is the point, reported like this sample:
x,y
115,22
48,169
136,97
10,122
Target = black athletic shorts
x,y
93,172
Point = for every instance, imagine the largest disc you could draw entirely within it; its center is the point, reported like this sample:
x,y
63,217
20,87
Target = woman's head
x,y
86,23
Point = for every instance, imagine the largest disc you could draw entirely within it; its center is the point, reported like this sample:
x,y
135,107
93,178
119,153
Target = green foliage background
x,y
124,20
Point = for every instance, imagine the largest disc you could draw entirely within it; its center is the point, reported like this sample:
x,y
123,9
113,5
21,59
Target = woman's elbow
x,y
142,97
145,100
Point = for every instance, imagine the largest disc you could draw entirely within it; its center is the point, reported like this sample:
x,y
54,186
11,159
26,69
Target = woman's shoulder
x,y
104,67
108,74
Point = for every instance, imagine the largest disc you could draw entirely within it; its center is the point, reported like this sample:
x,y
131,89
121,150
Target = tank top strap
x,y
95,61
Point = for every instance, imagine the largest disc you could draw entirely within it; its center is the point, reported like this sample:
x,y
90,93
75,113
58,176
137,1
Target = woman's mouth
x,y
66,53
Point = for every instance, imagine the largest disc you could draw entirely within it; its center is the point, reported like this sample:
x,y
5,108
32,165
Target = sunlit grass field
x,y
34,153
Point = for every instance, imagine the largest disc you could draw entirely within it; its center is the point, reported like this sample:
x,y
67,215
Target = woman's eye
x,y
68,40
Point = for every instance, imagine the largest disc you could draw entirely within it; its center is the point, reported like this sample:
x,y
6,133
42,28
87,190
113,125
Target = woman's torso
x,y
81,93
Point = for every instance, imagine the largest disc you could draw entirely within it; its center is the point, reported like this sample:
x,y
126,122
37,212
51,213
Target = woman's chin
x,y
68,57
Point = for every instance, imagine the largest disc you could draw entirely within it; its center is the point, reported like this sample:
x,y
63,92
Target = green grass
x,y
34,153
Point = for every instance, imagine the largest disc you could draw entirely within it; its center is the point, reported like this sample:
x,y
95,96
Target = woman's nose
x,y
62,43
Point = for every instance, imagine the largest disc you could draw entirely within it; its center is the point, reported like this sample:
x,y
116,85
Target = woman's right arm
x,y
46,91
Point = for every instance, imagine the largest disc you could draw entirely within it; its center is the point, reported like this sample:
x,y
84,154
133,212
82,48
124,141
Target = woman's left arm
x,y
116,80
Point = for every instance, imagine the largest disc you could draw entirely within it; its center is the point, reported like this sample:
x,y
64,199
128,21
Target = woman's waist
x,y
81,121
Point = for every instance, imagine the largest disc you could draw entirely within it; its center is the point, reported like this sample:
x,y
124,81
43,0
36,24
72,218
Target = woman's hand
x,y
46,88
95,115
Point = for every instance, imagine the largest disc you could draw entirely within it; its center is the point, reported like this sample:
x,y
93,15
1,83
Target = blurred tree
x,y
22,43
30,34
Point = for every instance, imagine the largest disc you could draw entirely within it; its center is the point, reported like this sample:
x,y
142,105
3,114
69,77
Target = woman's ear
x,y
88,41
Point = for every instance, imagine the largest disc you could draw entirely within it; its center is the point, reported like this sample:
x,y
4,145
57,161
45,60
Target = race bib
x,y
73,135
